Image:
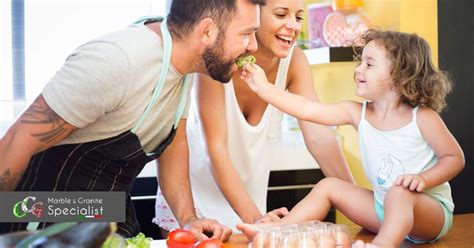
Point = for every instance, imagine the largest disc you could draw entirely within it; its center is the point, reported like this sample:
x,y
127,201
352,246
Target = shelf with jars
x,y
333,29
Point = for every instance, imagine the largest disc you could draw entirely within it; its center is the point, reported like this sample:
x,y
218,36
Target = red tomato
x,y
209,243
180,238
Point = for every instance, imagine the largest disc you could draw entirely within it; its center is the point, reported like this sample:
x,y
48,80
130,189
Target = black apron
x,y
111,164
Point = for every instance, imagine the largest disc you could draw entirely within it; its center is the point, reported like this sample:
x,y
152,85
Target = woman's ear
x,y
207,31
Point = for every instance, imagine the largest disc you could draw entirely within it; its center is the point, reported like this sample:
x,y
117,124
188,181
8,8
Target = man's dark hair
x,y
185,14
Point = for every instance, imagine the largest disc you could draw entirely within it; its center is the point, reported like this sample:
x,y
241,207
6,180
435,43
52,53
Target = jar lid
x,y
347,4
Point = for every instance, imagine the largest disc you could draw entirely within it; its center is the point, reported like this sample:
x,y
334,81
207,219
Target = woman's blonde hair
x,y
420,83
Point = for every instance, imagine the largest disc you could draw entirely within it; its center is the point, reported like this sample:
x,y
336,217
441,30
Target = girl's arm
x,y
298,106
447,150
320,140
213,117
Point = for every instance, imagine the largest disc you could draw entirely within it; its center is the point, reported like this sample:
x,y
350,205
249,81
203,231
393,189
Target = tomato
x,y
180,238
209,243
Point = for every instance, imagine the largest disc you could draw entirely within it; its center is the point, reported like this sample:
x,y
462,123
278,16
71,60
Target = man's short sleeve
x,y
91,83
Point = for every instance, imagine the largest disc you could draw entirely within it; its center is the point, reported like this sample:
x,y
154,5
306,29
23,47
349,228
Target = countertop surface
x,y
461,235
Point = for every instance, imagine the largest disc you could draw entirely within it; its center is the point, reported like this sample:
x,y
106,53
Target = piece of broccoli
x,y
248,59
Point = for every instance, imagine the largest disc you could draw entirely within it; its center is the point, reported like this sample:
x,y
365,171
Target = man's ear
x,y
207,31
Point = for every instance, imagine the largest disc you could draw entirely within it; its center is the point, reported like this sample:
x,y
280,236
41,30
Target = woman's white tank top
x,y
251,150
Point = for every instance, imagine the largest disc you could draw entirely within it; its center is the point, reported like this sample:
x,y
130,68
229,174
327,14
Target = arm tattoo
x,y
8,181
40,113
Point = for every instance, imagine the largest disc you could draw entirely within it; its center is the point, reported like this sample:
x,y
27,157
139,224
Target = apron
x,y
110,164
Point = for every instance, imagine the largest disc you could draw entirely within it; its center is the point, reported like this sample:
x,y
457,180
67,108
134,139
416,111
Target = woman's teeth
x,y
287,40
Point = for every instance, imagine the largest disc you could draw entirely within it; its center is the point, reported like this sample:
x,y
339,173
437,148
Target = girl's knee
x,y
397,192
328,183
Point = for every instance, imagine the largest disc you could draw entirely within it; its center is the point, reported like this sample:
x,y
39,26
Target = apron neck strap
x,y
167,48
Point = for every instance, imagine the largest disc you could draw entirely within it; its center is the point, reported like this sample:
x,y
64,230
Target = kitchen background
x,y
37,35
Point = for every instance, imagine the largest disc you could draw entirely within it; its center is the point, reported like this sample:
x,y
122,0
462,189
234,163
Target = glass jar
x,y
346,23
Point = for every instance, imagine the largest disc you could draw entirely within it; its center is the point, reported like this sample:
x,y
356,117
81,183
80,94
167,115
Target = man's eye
x,y
299,18
280,15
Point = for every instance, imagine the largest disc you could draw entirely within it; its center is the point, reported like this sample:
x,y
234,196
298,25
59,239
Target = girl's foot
x,y
251,230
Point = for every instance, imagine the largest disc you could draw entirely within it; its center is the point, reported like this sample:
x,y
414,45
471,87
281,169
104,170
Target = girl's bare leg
x,y
355,202
407,212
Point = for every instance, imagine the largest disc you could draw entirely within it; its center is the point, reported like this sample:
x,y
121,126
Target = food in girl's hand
x,y
180,238
248,59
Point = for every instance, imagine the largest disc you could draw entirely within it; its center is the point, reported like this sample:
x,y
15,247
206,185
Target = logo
x,y
21,209
61,206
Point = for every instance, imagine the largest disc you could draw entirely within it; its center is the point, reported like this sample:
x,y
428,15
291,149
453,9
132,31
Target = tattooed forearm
x,y
9,180
39,113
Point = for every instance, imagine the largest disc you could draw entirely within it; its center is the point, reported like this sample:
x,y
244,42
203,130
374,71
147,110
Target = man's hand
x,y
413,182
274,215
207,228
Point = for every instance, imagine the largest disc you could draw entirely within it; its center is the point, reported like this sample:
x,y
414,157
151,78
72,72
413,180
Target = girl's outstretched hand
x,y
255,77
413,182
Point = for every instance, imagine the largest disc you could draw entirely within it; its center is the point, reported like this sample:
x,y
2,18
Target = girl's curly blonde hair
x,y
420,83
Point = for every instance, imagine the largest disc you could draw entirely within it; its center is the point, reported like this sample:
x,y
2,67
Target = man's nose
x,y
252,46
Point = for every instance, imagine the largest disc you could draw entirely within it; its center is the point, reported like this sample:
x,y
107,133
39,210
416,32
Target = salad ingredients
x,y
209,243
139,241
180,238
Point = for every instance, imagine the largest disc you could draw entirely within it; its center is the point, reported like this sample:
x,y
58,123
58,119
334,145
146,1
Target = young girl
x,y
407,152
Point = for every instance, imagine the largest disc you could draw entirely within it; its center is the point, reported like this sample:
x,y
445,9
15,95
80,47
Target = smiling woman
x,y
235,136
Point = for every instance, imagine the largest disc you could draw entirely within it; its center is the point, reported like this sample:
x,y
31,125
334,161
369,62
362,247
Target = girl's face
x,y
280,25
372,76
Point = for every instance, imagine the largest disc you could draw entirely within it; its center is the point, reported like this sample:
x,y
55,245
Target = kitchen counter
x,y
461,235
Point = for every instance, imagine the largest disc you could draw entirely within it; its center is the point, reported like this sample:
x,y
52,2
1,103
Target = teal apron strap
x,y
32,226
167,47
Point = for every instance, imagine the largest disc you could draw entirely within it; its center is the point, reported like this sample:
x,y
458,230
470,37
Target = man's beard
x,y
218,68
